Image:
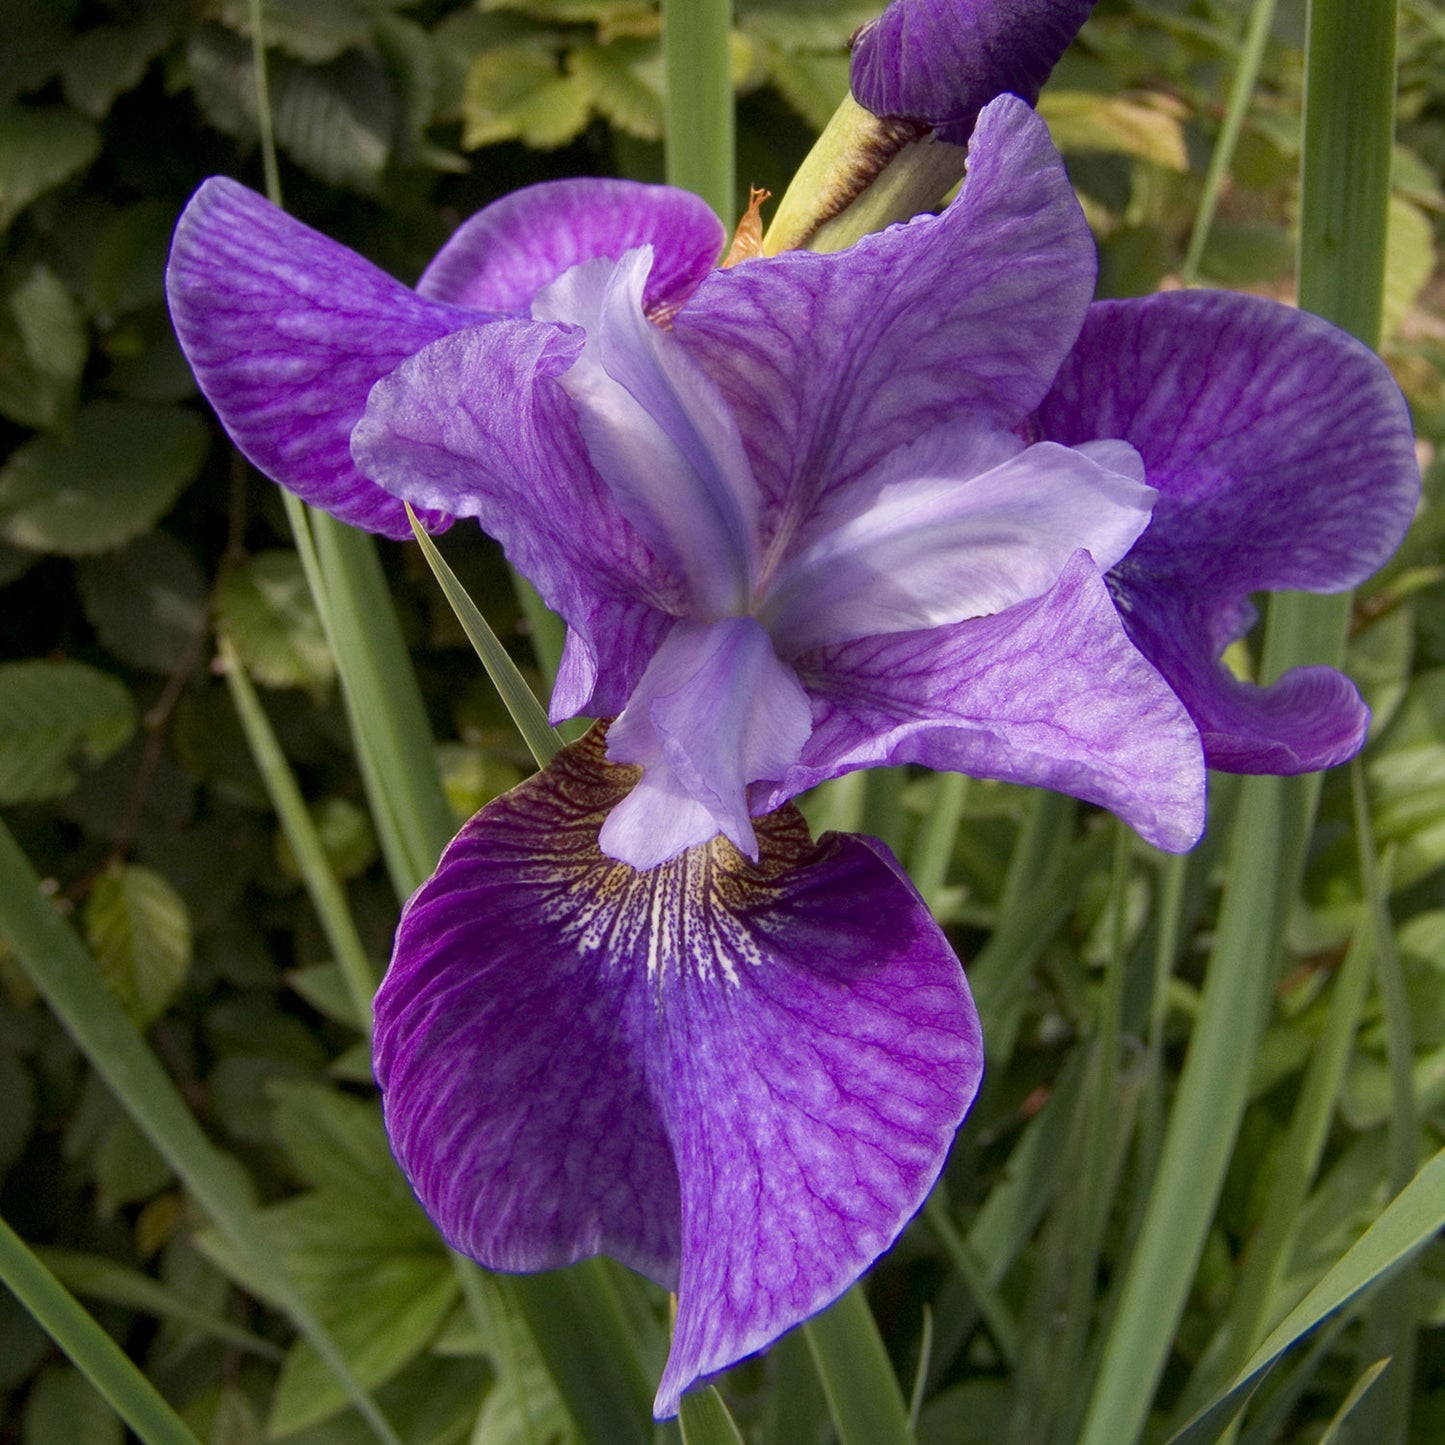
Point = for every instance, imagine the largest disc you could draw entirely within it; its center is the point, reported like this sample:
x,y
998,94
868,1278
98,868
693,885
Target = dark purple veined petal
x,y
1282,452
740,1079
1050,692
477,425
286,332
501,257
832,362
939,62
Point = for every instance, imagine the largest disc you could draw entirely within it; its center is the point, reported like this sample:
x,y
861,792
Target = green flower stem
x,y
325,891
858,1380
70,983
696,43
95,1354
1241,92
1349,121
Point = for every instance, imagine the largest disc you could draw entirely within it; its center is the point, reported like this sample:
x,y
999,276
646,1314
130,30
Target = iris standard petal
x,y
1050,692
715,711
742,1079
286,332
1283,456
659,433
501,257
831,362
939,62
960,527
477,424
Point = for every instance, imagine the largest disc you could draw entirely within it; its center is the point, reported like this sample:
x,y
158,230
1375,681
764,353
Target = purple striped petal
x,y
831,362
477,425
939,62
740,1079
1050,692
286,332
500,258
1282,452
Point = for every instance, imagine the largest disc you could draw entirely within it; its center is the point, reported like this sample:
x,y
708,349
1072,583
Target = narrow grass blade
x,y
997,1316
920,1373
1241,92
1411,1220
699,123
325,891
932,853
1333,1433
70,983
99,1277
583,1335
862,1390
705,1420
529,715
94,1353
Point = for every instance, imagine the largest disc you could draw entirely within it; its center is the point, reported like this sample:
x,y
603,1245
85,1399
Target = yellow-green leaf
x,y
140,932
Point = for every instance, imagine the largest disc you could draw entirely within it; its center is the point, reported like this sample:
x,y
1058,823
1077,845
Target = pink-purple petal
x,y
831,362
1050,693
939,62
477,425
741,1079
286,332
501,257
1283,455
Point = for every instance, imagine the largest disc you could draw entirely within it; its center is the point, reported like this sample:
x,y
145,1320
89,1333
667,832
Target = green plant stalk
x,y
928,864
1264,1266
530,717
697,54
1241,92
705,1420
858,1380
94,1353
325,891
1349,118
973,1271
1390,1318
67,978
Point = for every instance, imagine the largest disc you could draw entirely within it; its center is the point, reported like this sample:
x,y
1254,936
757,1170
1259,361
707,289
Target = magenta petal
x,y
1283,456
500,258
742,1079
286,332
939,62
832,362
1050,692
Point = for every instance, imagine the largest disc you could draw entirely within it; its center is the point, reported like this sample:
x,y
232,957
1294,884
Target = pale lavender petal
x,y
286,332
1050,693
500,258
715,711
939,62
740,1079
832,362
1282,452
659,434
477,425
955,531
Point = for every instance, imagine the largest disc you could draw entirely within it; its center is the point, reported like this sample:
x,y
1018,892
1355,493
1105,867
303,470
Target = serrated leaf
x,y
611,17
43,347
110,60
40,147
64,1409
336,120
147,603
794,26
113,476
265,609
324,987
337,1142
140,932
812,84
312,30
1149,129
1409,261
516,92
346,835
126,1168
50,714
624,80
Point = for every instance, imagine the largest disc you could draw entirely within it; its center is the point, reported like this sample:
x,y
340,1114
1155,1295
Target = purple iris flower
x,y
937,63
806,515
